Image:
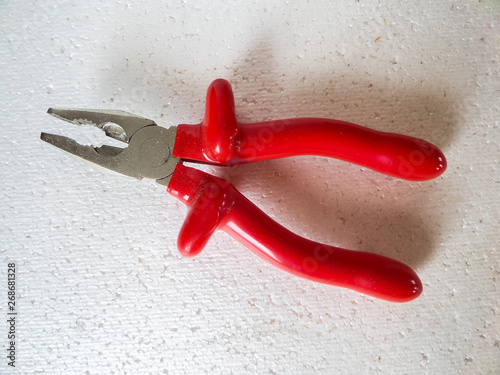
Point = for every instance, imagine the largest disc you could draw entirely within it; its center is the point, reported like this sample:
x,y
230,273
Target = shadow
x,y
359,212
364,211
341,94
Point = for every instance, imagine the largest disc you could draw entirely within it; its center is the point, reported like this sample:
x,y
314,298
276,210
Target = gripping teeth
x,y
119,125
105,156
68,145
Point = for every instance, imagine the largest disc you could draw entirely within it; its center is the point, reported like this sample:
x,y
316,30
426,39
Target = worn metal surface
x,y
148,153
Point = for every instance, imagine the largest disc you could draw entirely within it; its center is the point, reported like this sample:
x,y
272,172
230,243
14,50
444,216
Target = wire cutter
x,y
213,203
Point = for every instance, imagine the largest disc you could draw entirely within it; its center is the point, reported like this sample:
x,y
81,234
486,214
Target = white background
x,y
102,288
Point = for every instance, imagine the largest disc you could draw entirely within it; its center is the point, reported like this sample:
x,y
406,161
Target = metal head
x,y
149,150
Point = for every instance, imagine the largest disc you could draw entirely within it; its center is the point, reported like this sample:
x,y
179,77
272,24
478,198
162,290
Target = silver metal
x,y
129,122
149,150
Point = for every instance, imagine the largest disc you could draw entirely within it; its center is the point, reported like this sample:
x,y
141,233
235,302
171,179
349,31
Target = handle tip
x,y
422,161
406,289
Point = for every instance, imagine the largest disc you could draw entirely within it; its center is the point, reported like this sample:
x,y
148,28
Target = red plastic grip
x,y
213,203
221,139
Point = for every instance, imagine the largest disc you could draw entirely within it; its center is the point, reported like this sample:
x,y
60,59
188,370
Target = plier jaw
x,y
149,150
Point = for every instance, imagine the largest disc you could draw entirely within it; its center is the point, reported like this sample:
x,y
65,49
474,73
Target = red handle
x,y
221,139
216,204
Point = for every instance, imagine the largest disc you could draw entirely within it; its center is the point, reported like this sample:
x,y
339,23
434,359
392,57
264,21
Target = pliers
x,y
214,203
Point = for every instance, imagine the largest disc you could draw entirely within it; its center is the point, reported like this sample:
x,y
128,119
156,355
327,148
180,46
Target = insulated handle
x,y
214,203
221,139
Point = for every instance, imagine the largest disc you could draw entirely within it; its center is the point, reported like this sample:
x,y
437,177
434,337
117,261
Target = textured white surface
x,y
102,288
